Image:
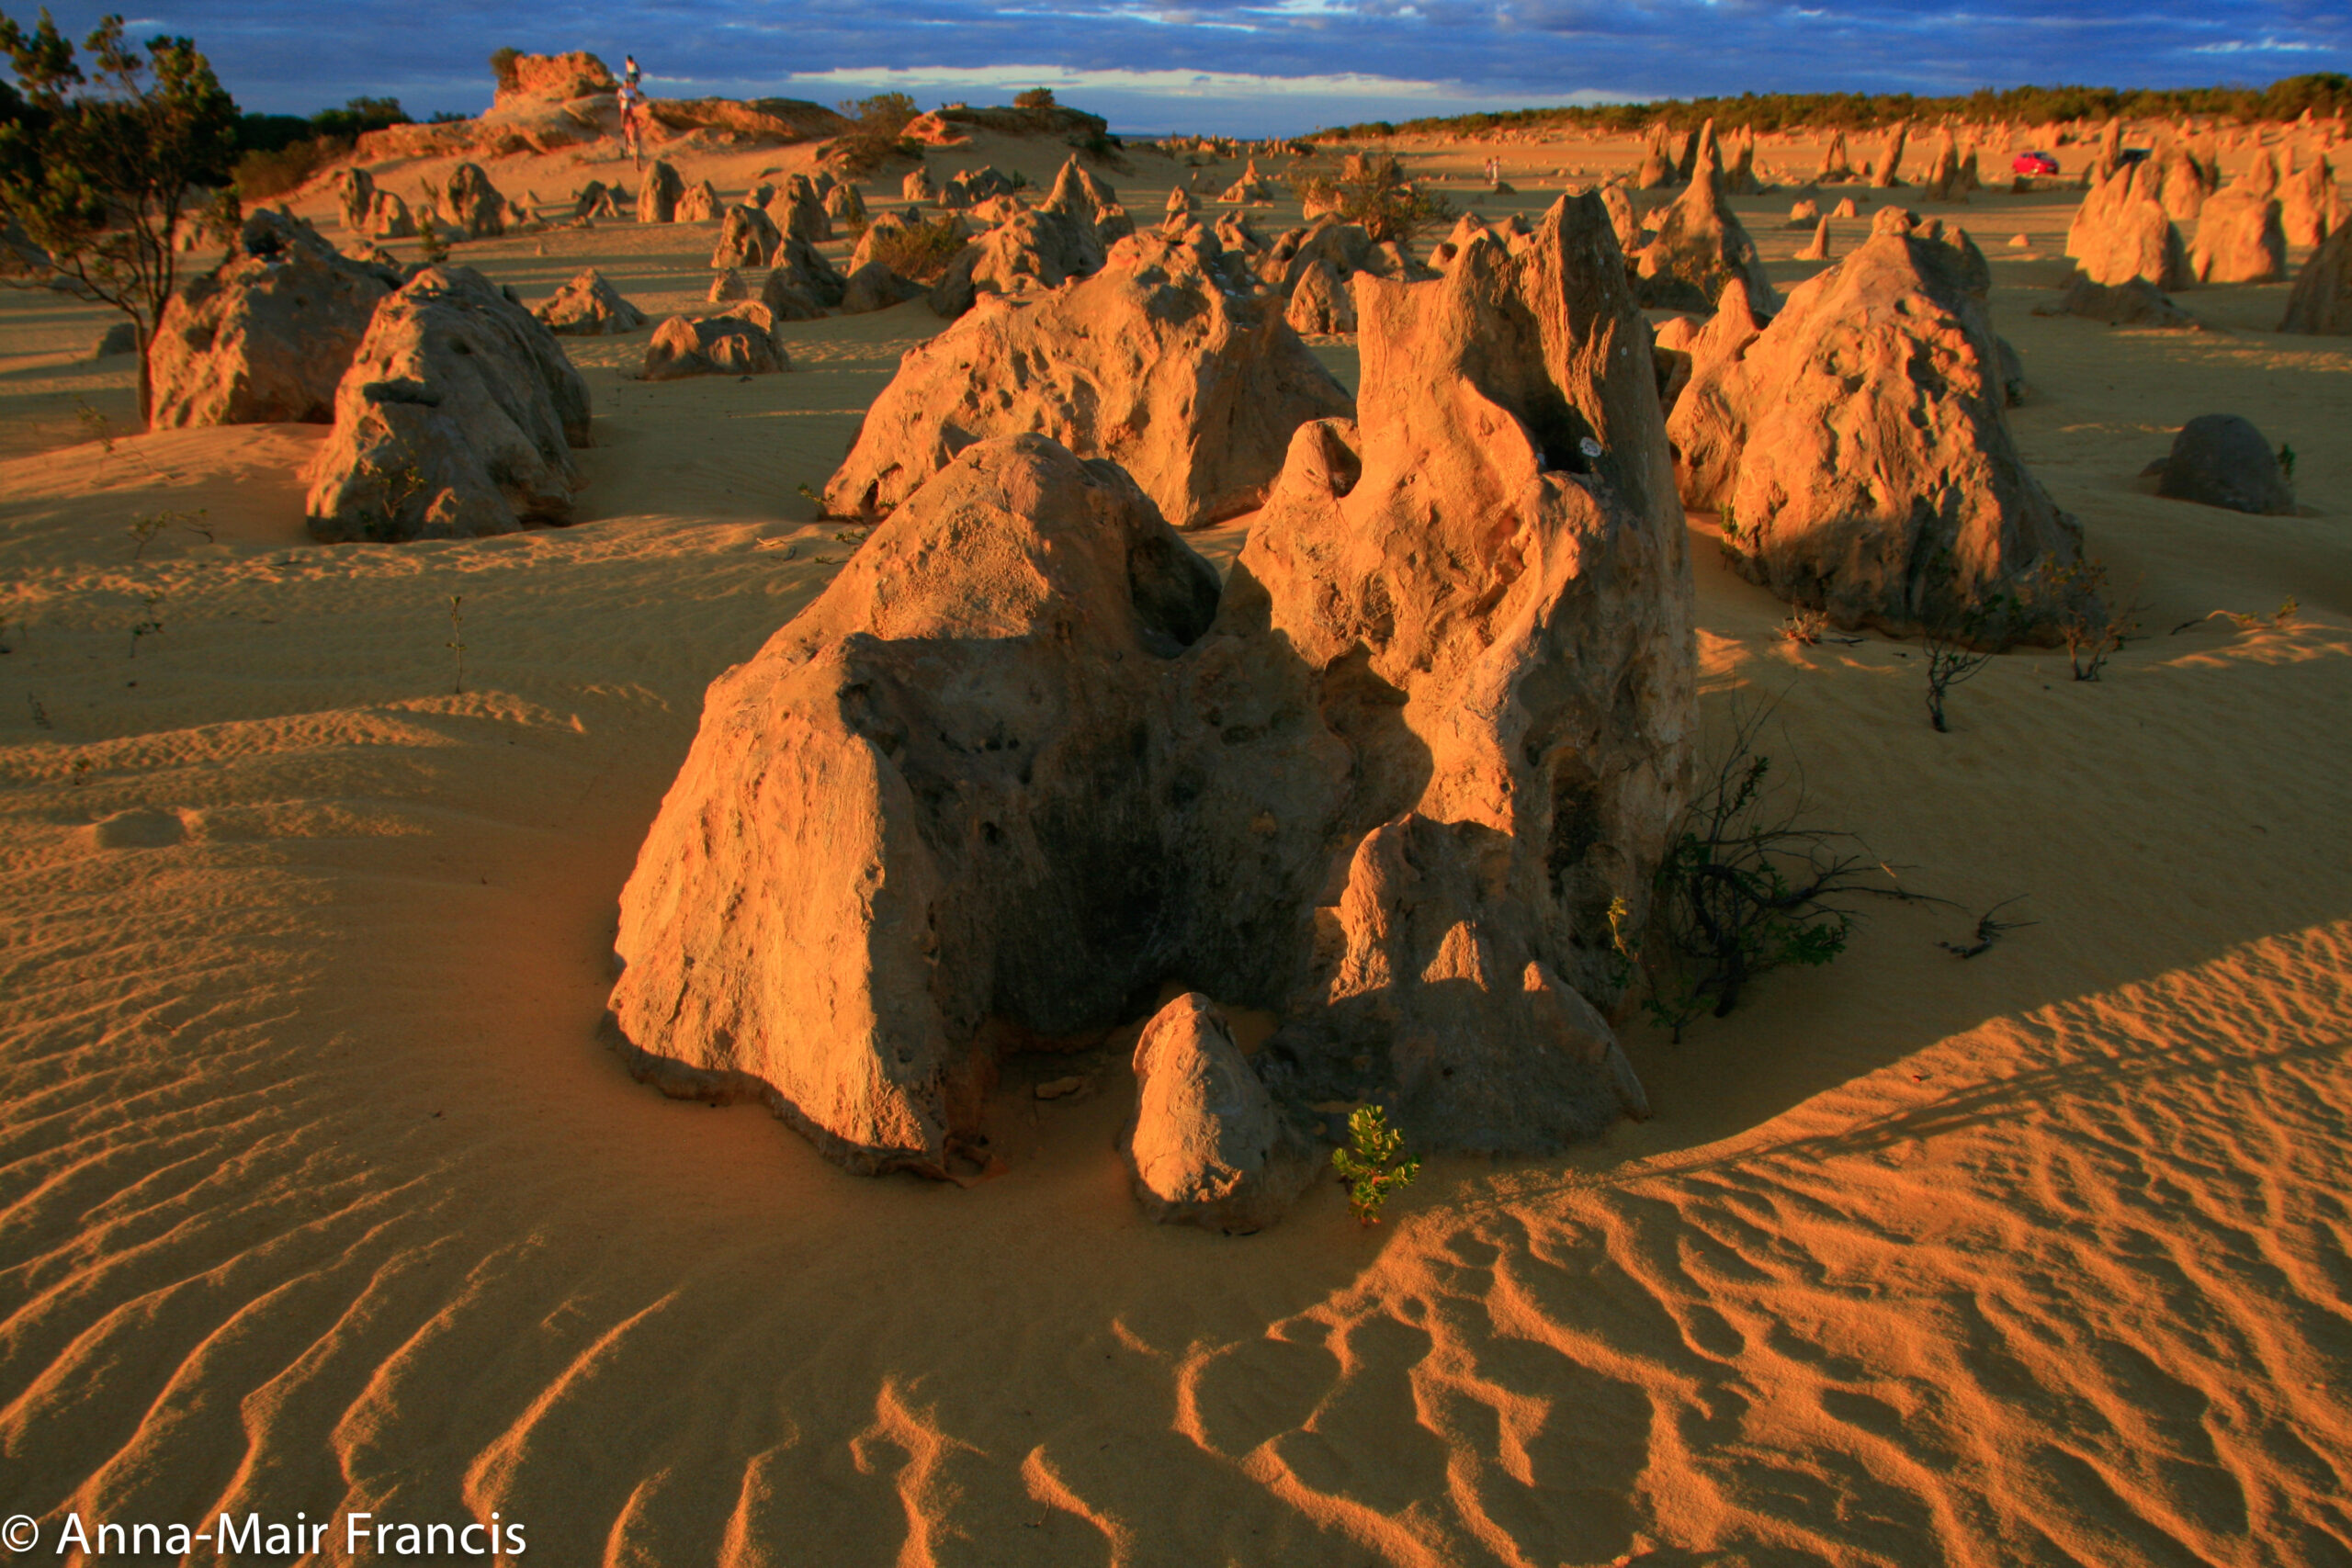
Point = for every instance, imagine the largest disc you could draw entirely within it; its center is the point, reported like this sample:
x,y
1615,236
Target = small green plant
x,y
1746,888
429,241
1365,1166
456,643
2091,620
152,622
2287,461
1372,189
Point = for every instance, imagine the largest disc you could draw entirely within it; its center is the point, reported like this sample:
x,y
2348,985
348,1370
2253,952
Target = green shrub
x,y
920,251
1365,1166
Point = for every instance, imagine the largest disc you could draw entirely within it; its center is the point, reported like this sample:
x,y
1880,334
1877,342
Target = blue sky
x,y
1251,67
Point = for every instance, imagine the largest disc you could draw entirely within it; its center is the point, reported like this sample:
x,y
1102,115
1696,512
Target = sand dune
x,y
317,1193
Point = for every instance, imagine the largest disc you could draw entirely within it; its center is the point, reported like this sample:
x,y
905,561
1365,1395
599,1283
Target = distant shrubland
x,y
278,152
2322,92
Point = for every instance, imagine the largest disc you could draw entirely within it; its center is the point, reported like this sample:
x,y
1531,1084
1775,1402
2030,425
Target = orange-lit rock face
x,y
1023,761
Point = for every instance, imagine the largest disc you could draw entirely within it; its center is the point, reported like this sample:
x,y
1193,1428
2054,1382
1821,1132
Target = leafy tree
x,y
502,65
1034,99
105,171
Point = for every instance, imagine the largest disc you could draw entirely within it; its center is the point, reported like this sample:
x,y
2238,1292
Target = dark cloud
x,y
431,53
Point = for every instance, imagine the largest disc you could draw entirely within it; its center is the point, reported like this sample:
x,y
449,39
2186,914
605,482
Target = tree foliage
x,y
879,122
107,168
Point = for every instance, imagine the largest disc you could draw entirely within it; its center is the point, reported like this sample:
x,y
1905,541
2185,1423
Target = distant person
x,y
632,110
631,72
1494,171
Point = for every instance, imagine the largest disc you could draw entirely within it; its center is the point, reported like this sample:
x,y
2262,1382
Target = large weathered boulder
x,y
844,205
700,204
918,808
1700,245
1021,763
1858,455
1149,363
354,195
268,334
2220,459
588,306
596,200
2321,298
1207,1145
2239,238
456,418
918,186
739,341
747,237
2121,232
659,191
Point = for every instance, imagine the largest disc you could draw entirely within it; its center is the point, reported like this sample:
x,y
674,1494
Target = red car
x,y
2033,164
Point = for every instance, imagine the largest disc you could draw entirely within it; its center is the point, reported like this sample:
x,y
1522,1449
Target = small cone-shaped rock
x,y
727,287
1321,302
917,186
740,342
476,209
700,204
1816,248
2310,204
746,238
659,192
1943,180
589,307
1150,363
1859,457
1803,214
1890,166
2321,300
1846,208
1207,1145
1657,162
1837,164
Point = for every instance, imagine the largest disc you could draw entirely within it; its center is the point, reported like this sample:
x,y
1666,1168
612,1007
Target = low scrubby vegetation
x,y
877,131
2322,92
278,152
920,251
1372,190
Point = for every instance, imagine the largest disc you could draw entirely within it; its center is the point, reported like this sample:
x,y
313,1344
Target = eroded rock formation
x,y
268,334
1021,763
736,342
2321,300
456,418
1207,1145
1857,453
1149,362
588,306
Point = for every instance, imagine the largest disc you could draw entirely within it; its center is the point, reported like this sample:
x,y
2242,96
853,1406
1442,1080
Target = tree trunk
x,y
146,377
